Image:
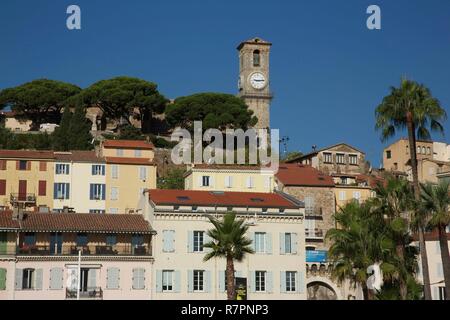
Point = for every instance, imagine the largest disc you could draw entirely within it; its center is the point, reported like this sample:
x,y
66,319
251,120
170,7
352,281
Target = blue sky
x,y
328,71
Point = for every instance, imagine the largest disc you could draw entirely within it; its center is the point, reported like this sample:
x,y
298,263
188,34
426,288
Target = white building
x,y
79,182
275,271
441,151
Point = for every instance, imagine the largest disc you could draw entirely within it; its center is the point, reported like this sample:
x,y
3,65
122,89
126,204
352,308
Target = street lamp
x,y
79,275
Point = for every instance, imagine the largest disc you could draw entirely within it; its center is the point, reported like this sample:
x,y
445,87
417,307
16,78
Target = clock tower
x,y
253,81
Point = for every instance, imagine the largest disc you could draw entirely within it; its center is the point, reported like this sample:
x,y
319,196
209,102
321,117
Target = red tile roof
x,y
225,199
120,160
371,180
78,222
78,156
26,154
227,167
302,175
128,144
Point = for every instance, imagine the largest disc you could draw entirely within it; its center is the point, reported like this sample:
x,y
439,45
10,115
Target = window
x,y
113,210
28,279
198,280
22,165
198,241
82,239
228,181
111,240
290,281
256,58
309,205
114,193
194,208
98,170
423,150
288,243
119,152
428,150
138,153
3,164
167,280
327,157
2,187
30,239
61,191
264,210
42,165
356,195
97,211
418,150
340,158
61,168
115,171
142,173
260,241
250,182
342,196
260,281
353,159
388,154
205,181
97,191
176,208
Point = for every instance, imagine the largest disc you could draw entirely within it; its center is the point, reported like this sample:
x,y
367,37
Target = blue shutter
x,y
56,278
221,277
190,241
103,186
93,170
55,191
294,243
190,281
67,185
159,281
19,278
207,279
38,280
300,281
68,169
91,192
283,281
268,243
177,282
103,170
282,243
269,281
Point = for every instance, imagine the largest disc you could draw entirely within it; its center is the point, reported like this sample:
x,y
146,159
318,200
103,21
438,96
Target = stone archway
x,y
321,289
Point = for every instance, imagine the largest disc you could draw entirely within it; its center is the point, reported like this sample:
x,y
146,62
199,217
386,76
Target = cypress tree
x,y
79,130
61,136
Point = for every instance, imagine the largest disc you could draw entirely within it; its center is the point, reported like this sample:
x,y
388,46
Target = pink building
x,y
39,256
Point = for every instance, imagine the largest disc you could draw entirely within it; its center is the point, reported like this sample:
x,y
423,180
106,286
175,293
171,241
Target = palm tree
x,y
229,242
395,200
359,242
436,200
411,107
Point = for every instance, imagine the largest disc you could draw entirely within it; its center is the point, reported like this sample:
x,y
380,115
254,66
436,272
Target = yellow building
x,y
26,177
229,178
129,171
350,188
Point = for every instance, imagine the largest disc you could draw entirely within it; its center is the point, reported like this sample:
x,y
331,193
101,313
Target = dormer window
x,y
256,58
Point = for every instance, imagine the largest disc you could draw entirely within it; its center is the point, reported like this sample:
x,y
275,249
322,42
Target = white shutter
x,y
200,181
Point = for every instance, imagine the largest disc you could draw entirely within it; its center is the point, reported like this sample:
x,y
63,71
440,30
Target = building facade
x,y
39,256
229,178
275,271
339,158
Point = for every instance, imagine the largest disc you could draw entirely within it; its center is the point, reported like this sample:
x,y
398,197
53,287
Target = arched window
x,y
418,150
428,150
256,58
423,150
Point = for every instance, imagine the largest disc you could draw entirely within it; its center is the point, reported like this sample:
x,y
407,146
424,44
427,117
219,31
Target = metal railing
x,y
314,233
22,197
88,293
314,212
105,250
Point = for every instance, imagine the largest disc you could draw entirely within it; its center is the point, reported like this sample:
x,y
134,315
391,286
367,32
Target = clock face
x,y
258,80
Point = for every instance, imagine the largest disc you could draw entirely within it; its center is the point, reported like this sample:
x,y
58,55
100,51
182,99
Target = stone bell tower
x,y
254,78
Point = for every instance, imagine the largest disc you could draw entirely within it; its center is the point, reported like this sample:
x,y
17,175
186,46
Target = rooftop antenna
x,y
284,141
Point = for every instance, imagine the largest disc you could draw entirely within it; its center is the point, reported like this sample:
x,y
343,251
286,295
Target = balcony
x,y
72,250
26,198
90,293
314,234
313,213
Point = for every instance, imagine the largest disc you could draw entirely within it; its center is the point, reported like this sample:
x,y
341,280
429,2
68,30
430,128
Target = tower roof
x,y
255,40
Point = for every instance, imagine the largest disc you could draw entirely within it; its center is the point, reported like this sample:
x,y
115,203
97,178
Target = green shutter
x,y
283,281
207,279
19,279
177,282
38,281
3,242
268,243
190,241
159,280
190,281
2,279
269,282
282,243
92,279
294,243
